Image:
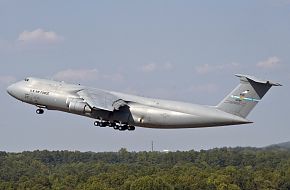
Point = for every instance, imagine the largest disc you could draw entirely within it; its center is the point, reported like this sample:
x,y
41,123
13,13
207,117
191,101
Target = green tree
x,y
150,183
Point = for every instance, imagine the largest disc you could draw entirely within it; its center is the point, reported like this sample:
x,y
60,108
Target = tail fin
x,y
245,96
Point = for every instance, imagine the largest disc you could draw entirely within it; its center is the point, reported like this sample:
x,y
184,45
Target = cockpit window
x,y
26,79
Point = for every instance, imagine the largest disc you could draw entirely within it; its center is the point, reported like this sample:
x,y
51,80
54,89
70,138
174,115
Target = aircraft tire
x,y
39,111
131,128
123,128
103,124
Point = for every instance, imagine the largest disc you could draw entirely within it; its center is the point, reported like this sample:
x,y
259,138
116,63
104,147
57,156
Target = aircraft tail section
x,y
245,96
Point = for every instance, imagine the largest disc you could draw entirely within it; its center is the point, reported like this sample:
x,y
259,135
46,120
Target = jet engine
x,y
78,106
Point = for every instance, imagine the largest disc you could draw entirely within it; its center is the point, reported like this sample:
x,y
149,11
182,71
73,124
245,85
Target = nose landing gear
x,y
39,111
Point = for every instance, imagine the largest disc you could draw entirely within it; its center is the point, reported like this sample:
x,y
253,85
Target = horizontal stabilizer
x,y
248,77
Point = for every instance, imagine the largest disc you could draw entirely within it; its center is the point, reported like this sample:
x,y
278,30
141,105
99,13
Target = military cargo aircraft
x,y
124,112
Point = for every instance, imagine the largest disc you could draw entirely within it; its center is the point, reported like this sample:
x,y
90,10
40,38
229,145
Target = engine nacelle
x,y
79,107
71,99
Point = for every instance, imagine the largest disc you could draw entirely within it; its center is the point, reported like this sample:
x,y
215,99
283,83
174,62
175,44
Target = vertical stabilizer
x,y
245,96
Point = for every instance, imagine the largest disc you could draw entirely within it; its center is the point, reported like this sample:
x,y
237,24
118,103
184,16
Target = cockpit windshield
x,y
26,79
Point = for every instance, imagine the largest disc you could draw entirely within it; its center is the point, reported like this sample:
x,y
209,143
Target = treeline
x,y
220,168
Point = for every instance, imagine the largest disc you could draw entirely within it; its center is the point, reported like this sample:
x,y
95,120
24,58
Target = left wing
x,y
101,100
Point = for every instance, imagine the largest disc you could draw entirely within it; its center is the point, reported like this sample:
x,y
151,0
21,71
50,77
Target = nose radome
x,y
16,90
10,89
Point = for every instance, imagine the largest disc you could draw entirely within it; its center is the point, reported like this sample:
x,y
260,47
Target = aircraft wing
x,y
101,100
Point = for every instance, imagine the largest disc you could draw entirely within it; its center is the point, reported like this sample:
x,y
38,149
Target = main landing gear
x,y
39,111
115,125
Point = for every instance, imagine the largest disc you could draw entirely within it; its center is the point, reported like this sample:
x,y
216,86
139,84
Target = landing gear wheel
x,y
131,128
112,124
39,111
103,124
123,128
96,123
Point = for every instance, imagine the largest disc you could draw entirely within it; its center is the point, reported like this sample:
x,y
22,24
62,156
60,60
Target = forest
x,y
219,168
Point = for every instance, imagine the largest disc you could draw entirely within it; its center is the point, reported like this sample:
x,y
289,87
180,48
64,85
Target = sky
x,y
177,50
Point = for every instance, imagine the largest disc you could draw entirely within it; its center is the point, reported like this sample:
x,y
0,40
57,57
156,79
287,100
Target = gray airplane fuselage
x,y
138,111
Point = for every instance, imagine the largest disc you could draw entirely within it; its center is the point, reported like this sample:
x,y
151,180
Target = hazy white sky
x,y
179,50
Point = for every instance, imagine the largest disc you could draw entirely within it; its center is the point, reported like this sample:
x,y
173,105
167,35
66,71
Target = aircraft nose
x,y
16,90
13,90
10,89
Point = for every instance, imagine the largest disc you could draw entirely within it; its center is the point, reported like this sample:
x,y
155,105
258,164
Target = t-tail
x,y
245,96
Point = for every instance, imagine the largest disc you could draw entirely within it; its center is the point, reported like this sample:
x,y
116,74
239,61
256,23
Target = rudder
x,y
245,96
